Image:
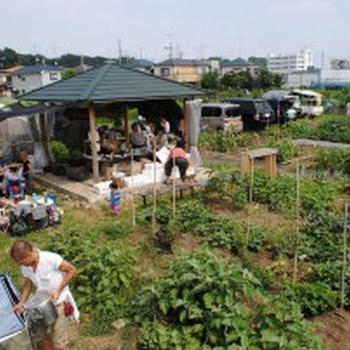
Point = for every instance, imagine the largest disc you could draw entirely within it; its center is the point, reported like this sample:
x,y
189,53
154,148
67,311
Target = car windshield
x,y
262,107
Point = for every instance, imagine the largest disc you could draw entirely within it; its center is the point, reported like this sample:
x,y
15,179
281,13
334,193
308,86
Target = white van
x,y
221,116
310,102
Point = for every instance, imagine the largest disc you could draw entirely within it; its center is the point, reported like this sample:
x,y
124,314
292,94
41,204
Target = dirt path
x,y
335,328
322,144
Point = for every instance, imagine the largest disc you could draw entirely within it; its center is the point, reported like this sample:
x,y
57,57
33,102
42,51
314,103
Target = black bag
x,y
18,226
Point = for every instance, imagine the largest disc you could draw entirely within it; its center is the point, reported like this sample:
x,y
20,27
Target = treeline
x,y
9,58
261,79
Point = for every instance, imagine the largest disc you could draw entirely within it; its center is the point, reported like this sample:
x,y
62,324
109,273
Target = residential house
x,y
238,65
33,77
182,70
6,81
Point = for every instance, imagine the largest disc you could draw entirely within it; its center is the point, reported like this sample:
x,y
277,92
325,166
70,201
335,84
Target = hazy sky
x,y
227,28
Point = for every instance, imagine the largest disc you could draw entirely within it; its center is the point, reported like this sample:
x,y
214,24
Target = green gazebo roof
x,y
111,83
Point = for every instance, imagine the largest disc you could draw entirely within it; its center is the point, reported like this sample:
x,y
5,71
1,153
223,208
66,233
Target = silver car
x,y
221,116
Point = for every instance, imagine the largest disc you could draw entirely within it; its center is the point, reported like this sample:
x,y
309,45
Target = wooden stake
x,y
342,296
295,264
132,190
251,189
154,187
174,189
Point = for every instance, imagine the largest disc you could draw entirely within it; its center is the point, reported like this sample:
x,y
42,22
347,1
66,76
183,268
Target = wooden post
x,y
126,125
342,296
92,121
297,206
186,125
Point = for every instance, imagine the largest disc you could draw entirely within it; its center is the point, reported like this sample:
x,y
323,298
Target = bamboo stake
x,y
342,297
132,190
154,187
295,264
251,189
174,189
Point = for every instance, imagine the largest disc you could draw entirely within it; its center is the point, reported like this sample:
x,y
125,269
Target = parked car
x,y
310,102
221,116
256,113
285,105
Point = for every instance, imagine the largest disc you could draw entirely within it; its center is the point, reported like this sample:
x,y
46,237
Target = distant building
x,y
285,64
142,65
33,77
182,70
340,64
238,65
319,78
6,89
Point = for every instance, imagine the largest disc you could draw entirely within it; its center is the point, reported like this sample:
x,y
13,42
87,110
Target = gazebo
x,y
105,87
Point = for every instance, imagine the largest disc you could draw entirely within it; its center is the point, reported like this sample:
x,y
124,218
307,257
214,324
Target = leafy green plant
x,y
219,304
104,277
334,160
286,150
313,298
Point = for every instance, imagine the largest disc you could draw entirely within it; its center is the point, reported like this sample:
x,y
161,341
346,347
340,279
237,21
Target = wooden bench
x,y
180,188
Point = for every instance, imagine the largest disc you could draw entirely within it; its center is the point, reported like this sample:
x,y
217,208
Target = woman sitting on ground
x,y
13,178
177,156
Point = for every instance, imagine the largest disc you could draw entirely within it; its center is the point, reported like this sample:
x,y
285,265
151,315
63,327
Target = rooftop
x,y
183,62
109,83
37,68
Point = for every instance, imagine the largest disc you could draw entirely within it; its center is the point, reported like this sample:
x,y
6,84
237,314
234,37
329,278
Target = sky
x,y
195,28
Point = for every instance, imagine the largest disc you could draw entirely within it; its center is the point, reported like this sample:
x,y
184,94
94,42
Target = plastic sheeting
x,y
25,132
195,108
10,322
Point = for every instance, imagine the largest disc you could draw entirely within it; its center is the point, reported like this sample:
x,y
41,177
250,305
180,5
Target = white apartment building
x,y
285,64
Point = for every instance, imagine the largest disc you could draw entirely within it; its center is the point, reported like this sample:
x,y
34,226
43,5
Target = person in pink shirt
x,y
177,156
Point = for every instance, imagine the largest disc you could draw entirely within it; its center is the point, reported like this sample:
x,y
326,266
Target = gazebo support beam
x,y
186,125
126,124
92,122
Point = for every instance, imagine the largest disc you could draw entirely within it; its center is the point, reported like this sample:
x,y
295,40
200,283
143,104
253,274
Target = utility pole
x,y
120,51
170,47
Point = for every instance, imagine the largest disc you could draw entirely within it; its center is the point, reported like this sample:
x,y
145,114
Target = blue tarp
x,y
9,322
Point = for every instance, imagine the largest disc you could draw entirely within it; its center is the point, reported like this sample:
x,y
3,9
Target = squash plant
x,y
217,303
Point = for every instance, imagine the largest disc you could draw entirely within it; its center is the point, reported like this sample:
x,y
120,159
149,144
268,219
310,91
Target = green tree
x,y
259,61
68,73
210,80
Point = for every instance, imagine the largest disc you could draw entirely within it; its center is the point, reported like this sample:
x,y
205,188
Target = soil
x,y
335,329
106,342
188,242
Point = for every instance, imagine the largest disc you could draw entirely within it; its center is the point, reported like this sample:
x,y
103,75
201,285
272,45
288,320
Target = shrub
x,y
334,160
60,151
